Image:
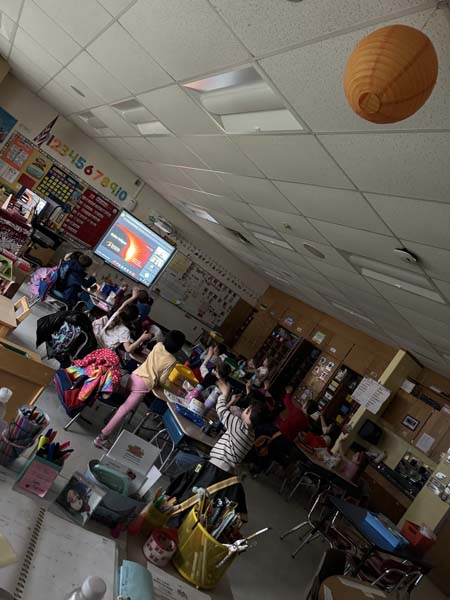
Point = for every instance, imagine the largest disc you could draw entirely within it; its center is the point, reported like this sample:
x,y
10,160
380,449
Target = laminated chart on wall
x,y
196,291
91,214
88,212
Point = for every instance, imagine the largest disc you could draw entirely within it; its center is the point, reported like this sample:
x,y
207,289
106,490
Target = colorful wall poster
x,y
7,123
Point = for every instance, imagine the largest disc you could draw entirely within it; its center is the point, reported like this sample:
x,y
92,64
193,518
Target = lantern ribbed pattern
x,y
390,74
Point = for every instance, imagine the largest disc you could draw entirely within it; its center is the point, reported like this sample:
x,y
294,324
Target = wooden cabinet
x,y
384,496
320,336
407,415
437,428
338,346
359,359
255,335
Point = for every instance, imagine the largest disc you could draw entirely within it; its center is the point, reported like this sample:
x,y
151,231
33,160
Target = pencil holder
x,y
9,450
154,519
37,476
198,554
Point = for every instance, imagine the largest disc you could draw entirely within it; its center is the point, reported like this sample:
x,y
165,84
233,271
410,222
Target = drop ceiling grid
x,y
330,191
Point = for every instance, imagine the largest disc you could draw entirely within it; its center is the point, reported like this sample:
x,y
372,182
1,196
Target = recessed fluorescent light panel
x,y
136,114
241,101
100,129
352,312
403,285
271,240
253,227
201,213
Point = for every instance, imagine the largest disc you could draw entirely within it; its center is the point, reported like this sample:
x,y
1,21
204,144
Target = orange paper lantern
x,y
390,74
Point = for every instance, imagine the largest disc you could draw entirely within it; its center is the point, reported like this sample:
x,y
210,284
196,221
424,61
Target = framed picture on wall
x,y
410,422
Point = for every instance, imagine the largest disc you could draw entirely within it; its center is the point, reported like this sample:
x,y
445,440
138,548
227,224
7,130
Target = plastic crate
x,y
420,543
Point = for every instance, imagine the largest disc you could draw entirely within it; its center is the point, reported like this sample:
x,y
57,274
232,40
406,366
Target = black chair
x,y
332,563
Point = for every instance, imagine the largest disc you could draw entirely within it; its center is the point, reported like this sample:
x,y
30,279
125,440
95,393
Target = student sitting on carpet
x,y
225,456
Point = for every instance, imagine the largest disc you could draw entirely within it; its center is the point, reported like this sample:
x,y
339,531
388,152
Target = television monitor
x,y
134,249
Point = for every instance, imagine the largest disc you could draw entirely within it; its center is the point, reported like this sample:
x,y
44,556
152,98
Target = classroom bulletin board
x,y
196,291
87,214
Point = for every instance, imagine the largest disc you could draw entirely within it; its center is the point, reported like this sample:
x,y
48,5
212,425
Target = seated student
x,y
73,277
152,374
325,439
261,373
211,358
210,394
111,332
225,456
276,440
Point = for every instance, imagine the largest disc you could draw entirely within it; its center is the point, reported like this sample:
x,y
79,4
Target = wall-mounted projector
x,y
161,224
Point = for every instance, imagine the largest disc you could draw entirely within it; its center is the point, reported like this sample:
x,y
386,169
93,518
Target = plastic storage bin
x,y
387,530
420,542
180,373
198,554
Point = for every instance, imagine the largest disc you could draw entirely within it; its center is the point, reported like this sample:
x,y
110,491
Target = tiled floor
x,y
266,571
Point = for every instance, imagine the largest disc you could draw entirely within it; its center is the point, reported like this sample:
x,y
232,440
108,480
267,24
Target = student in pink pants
x,y
151,374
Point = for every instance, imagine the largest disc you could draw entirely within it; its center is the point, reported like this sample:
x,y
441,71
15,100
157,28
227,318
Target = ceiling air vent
x,y
239,236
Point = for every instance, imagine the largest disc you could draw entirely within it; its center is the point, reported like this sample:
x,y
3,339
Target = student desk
x,y
179,429
8,321
323,471
355,515
346,588
21,370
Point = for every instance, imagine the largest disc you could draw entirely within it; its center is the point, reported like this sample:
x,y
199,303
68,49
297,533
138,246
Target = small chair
x,y
332,563
22,309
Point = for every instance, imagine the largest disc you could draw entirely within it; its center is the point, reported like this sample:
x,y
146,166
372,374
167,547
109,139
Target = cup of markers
x,y
21,433
44,465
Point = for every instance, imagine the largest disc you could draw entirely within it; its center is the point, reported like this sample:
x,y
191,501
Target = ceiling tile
x,y
39,25
97,78
221,154
114,121
243,211
208,181
417,174
321,101
29,47
426,324
416,220
116,146
174,152
178,111
271,25
418,303
203,42
435,261
287,255
144,149
344,207
5,47
60,99
373,245
66,80
347,275
290,225
82,25
444,286
8,27
293,158
11,8
259,191
114,7
170,174
127,61
27,70
332,256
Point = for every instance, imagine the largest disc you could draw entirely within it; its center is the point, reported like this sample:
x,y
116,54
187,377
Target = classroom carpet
x,y
267,570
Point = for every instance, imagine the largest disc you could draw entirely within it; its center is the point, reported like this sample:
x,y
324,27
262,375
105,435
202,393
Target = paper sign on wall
x,y
371,394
